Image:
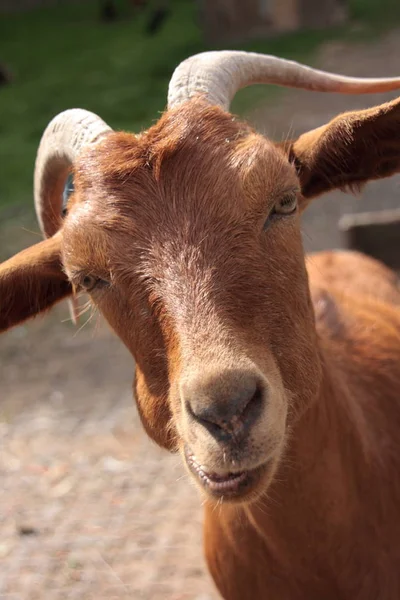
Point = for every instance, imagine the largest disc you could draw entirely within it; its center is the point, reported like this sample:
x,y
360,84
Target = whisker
x,y
85,323
35,233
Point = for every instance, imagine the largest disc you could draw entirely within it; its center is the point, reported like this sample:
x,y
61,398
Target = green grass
x,y
64,58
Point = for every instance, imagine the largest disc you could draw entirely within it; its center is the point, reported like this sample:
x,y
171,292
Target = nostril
x,y
253,408
228,415
206,419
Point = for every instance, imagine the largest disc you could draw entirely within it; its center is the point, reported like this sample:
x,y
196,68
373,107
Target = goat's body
x,y
329,526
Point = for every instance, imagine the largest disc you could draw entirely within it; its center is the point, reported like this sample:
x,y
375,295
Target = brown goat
x,y
279,387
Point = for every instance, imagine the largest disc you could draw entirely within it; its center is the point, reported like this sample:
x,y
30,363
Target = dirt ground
x,y
89,507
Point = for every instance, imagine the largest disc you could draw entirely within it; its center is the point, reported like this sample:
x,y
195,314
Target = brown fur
x,y
172,222
32,281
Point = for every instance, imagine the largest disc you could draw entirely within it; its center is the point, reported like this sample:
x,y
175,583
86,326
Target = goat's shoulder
x,y
356,300
357,313
353,273
357,310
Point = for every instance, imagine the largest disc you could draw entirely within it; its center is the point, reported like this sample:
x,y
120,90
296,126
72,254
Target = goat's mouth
x,y
227,486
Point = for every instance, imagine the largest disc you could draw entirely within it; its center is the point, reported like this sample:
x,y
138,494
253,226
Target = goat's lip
x,y
230,485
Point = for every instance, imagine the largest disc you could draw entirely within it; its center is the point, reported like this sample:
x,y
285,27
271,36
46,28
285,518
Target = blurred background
x,y
89,507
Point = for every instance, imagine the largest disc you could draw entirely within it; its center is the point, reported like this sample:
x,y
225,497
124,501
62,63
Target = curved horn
x,y
62,141
64,138
219,75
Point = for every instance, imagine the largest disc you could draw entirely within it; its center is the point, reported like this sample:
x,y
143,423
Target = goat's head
x,y
187,239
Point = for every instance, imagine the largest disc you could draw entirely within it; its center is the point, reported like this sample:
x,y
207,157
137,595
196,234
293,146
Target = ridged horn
x,y
218,75
62,141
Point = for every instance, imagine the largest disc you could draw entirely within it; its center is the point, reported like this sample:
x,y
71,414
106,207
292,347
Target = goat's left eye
x,y
286,205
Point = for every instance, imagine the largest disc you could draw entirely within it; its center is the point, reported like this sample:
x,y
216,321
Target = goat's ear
x,y
31,282
350,150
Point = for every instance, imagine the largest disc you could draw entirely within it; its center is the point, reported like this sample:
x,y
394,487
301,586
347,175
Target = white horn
x,y
64,138
219,75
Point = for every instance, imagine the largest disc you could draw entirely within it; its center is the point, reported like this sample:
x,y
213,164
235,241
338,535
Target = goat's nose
x,y
227,406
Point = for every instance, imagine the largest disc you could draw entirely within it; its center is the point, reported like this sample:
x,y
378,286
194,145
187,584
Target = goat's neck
x,y
330,429
325,455
309,515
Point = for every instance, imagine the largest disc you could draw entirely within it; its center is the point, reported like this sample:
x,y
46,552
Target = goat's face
x,y
179,237
187,238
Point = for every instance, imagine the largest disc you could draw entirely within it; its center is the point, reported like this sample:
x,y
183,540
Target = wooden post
x,y
374,233
237,20
315,14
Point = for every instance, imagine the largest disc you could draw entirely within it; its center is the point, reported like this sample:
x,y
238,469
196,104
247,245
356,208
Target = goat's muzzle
x,y
231,485
227,442
227,407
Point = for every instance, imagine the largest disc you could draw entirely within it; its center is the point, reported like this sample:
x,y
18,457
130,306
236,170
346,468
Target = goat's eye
x,y
89,282
286,205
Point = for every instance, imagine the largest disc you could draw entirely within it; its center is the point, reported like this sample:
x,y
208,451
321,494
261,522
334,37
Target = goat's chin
x,y
238,487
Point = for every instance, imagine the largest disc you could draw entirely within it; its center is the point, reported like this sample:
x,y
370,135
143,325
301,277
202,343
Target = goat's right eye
x,y
89,282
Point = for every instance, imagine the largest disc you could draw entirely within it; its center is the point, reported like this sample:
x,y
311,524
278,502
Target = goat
x,y
275,376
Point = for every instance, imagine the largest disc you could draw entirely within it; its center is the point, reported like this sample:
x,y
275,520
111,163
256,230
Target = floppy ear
x,y
31,282
350,150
